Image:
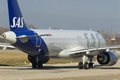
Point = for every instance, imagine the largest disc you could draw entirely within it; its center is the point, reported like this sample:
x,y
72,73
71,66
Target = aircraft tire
x,y
34,66
91,65
86,65
40,65
80,65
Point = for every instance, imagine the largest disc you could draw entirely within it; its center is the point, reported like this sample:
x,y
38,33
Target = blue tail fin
x,y
15,17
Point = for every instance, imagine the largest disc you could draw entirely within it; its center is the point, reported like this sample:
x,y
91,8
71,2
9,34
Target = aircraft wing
x,y
6,45
81,52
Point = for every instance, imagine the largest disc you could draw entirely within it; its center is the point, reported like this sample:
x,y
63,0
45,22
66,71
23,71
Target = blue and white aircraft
x,y
38,43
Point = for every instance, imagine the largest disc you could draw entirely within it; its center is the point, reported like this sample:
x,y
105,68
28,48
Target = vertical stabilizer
x,y
16,19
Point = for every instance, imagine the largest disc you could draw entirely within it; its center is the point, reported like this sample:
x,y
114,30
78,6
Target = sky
x,y
102,15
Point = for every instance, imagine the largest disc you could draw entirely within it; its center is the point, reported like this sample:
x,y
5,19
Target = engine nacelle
x,y
108,58
9,37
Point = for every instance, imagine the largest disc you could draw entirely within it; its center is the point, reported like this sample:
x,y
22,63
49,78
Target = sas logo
x,y
17,22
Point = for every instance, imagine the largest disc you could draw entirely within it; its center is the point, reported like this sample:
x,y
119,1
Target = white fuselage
x,y
68,39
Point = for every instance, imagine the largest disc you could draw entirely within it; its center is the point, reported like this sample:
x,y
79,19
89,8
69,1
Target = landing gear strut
x,y
36,63
84,64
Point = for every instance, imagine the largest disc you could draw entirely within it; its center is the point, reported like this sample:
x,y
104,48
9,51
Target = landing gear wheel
x,y
40,65
34,66
86,65
91,65
37,65
80,65
36,62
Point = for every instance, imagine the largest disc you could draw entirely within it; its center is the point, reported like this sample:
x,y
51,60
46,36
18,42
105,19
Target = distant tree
x,y
111,39
2,30
31,26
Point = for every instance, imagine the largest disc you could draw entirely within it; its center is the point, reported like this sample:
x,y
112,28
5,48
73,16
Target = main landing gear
x,y
36,62
84,64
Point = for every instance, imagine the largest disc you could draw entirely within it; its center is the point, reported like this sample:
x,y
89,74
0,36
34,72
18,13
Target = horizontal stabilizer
x,y
25,36
46,35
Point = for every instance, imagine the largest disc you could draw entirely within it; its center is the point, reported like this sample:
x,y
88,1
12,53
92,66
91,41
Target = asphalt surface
x,y
60,72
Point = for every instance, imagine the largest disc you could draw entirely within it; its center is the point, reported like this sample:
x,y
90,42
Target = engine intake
x,y
108,58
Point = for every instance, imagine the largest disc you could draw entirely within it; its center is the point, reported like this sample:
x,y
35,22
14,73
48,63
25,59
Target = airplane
x,y
6,46
38,43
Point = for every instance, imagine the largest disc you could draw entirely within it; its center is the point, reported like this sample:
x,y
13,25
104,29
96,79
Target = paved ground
x,y
60,72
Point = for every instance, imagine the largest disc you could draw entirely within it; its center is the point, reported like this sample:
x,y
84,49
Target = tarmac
x,y
67,71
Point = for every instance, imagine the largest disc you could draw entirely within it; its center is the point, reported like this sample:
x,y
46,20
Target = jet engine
x,y
108,58
9,37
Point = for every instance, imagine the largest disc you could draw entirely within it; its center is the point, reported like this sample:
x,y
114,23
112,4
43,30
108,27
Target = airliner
x,y
39,43
6,46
